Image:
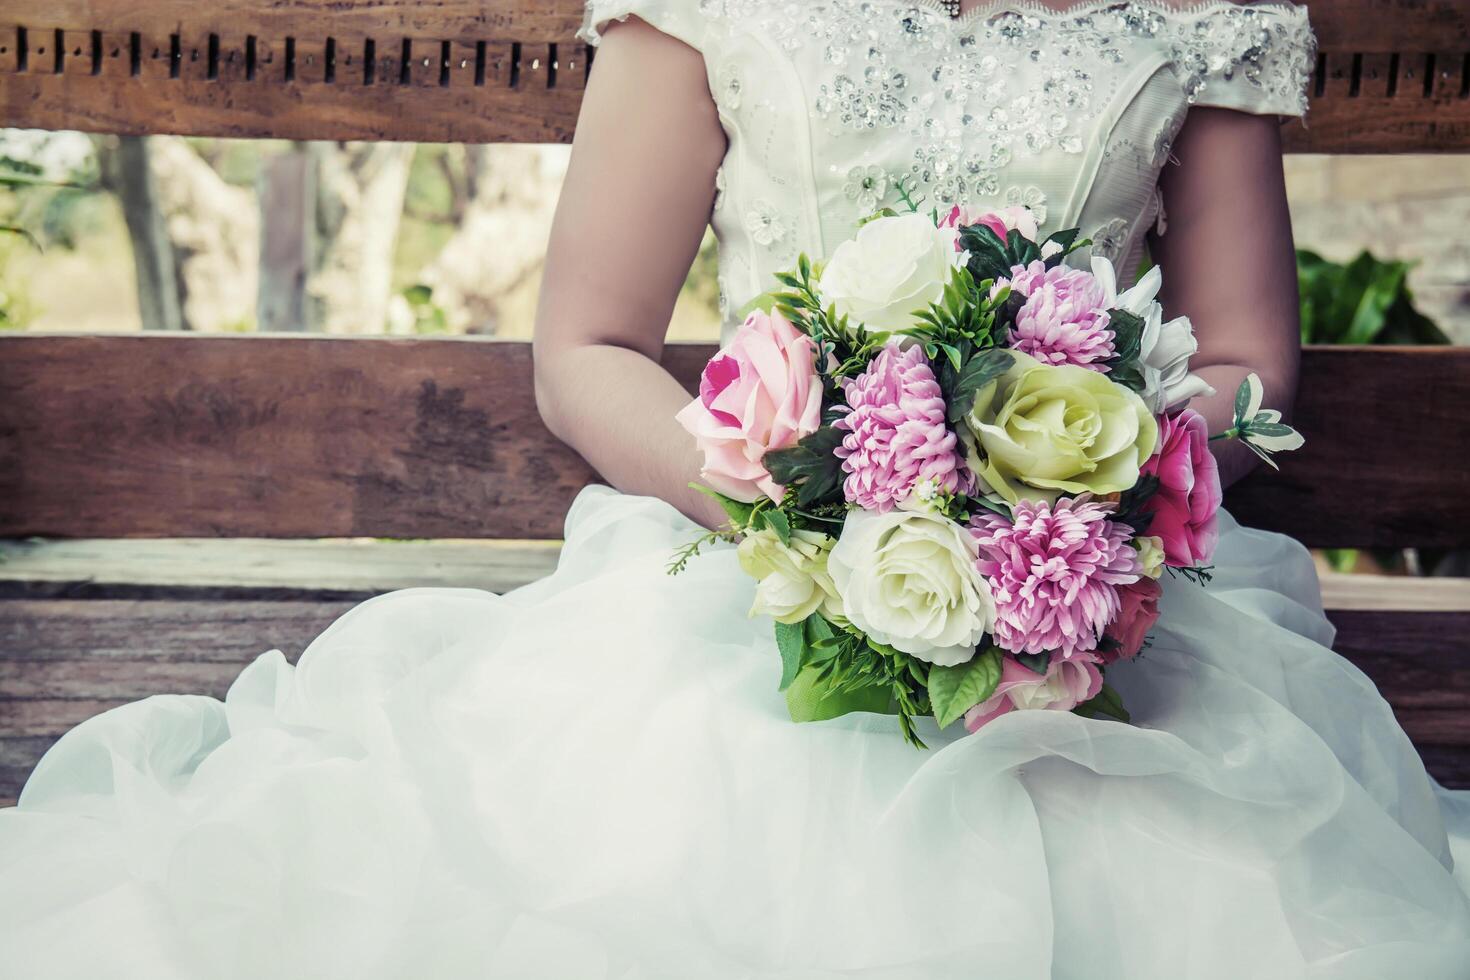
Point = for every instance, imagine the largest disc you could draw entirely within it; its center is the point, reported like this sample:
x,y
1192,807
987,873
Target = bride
x,y
594,776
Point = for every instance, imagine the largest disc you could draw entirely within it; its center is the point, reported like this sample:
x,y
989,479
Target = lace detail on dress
x,y
1021,79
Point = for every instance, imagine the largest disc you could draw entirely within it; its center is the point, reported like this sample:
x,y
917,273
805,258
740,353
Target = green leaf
x,y
778,522
791,641
955,690
1242,401
1129,376
1107,704
1067,240
989,257
1132,506
978,372
739,513
1127,336
811,466
811,697
818,630
20,232
1037,663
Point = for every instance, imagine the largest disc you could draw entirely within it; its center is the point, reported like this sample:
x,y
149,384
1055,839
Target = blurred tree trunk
x,y
359,205
215,231
285,192
194,236
126,171
487,271
330,214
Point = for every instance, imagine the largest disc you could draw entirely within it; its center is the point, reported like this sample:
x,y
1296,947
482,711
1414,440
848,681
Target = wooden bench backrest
x,y
1394,75
177,436
180,436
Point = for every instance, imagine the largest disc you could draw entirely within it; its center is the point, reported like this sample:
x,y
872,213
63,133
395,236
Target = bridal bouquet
x,y
957,469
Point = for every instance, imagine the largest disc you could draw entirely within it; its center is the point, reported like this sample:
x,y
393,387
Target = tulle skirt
x,y
595,777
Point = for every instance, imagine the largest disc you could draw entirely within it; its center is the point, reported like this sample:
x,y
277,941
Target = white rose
x,y
1164,349
894,268
908,579
793,578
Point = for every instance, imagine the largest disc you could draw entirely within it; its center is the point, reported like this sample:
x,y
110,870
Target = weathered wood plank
x,y
327,437
264,568
315,438
205,567
62,661
454,20
347,111
1379,469
227,69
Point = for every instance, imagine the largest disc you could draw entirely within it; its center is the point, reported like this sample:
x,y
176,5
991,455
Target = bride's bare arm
x,y
1229,263
632,213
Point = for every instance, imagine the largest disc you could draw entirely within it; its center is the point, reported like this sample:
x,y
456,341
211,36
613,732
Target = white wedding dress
x,y
595,777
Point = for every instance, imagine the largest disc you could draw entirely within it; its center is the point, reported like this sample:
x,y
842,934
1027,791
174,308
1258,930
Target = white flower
x,y
892,270
1263,430
1150,555
867,187
1032,198
1164,349
794,581
764,224
1108,240
908,579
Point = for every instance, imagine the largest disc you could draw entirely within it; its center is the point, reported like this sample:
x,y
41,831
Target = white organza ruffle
x,y
594,777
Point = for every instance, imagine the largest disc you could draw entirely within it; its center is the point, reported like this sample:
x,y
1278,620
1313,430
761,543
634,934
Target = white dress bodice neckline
x,y
1071,110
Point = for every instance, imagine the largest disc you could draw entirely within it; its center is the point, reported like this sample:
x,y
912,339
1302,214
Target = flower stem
x,y
1232,433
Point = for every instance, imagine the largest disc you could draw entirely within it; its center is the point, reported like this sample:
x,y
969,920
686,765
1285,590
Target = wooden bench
x,y
175,436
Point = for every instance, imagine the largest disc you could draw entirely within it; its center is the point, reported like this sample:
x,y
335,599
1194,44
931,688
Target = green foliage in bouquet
x,y
992,257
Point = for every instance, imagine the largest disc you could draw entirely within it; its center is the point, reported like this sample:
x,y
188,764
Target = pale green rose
x,y
1039,431
793,578
1150,555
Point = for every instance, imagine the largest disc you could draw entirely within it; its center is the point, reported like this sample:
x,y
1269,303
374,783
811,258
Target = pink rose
x,y
1002,222
1065,685
1185,510
1139,612
760,392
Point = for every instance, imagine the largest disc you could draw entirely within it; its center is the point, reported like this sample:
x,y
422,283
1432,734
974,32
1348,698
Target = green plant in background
x,y
1365,301
29,200
428,317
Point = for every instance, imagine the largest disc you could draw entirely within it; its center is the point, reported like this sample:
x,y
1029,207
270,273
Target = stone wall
x,y
1415,208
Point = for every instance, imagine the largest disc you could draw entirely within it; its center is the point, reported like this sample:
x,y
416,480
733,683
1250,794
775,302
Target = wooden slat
x,y
1381,467
62,661
264,568
507,94
290,437
1362,25
1390,25
157,436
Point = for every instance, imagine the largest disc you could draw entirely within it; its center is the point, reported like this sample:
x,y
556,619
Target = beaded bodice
x,y
1071,110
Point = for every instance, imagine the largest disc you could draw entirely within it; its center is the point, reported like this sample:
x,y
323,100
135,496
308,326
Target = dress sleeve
x,y
1256,58
680,19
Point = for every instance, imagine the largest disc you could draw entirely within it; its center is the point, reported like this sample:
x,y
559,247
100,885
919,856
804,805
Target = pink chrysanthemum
x,y
1064,320
1055,574
897,441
